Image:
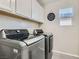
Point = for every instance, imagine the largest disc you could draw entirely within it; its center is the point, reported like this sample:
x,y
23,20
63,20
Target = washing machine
x,y
12,45
20,44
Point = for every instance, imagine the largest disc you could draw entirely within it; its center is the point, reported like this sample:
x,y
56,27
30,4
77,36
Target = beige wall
x,y
66,38
14,23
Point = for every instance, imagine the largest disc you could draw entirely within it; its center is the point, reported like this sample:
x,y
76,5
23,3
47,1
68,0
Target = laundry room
x,y
39,29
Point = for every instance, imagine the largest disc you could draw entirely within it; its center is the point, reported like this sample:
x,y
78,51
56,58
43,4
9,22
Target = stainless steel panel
x,y
37,50
8,52
12,49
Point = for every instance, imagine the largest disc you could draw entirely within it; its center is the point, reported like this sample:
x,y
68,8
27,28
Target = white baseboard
x,y
64,53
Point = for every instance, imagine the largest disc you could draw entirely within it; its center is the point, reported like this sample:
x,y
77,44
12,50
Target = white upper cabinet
x,y
26,9
13,5
5,4
41,13
37,11
23,7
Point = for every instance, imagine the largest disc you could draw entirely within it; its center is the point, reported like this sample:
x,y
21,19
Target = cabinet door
x,y
13,5
37,11
5,3
41,13
23,7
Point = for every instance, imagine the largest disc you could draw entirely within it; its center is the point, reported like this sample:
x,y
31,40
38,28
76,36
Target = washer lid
x,y
34,40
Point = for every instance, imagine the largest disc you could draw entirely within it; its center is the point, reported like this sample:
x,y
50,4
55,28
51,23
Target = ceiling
x,y
44,2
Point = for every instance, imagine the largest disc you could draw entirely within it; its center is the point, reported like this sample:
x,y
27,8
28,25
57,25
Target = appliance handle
x,y
34,40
